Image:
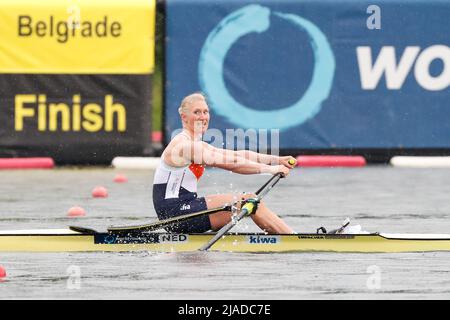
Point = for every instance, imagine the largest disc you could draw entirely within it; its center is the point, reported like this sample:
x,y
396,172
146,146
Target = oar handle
x,y
275,178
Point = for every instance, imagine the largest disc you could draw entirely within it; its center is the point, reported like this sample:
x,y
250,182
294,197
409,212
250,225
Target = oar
x,y
163,223
246,209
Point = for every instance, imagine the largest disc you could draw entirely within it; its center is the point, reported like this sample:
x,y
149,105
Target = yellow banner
x,y
77,36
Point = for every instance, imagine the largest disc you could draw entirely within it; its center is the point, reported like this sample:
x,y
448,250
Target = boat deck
x,y
64,240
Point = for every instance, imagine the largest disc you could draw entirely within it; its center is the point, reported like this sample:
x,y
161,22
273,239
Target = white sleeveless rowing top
x,y
173,181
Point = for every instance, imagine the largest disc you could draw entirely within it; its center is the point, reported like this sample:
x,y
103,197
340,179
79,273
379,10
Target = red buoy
x,y
2,272
99,192
76,212
120,178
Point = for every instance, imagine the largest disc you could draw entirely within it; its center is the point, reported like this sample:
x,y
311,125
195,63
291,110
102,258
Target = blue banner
x,y
327,74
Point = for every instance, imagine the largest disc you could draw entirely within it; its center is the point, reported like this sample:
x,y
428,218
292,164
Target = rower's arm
x,y
206,154
245,166
259,157
287,161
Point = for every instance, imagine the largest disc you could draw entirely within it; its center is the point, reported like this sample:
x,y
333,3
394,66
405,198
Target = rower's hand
x,y
280,169
288,162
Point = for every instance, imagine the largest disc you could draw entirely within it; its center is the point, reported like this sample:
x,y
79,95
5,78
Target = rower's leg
x,y
270,221
219,219
264,217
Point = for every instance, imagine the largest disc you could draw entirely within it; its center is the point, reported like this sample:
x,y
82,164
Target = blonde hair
x,y
189,100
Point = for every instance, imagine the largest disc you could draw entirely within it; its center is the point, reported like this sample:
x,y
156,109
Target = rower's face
x,y
197,119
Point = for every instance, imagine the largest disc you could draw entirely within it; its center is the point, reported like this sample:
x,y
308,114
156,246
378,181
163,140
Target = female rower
x,y
183,162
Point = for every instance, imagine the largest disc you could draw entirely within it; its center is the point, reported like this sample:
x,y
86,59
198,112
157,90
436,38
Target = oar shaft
x,y
267,187
246,209
234,220
277,176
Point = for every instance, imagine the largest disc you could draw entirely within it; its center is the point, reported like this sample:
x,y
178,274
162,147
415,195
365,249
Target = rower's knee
x,y
252,196
249,196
